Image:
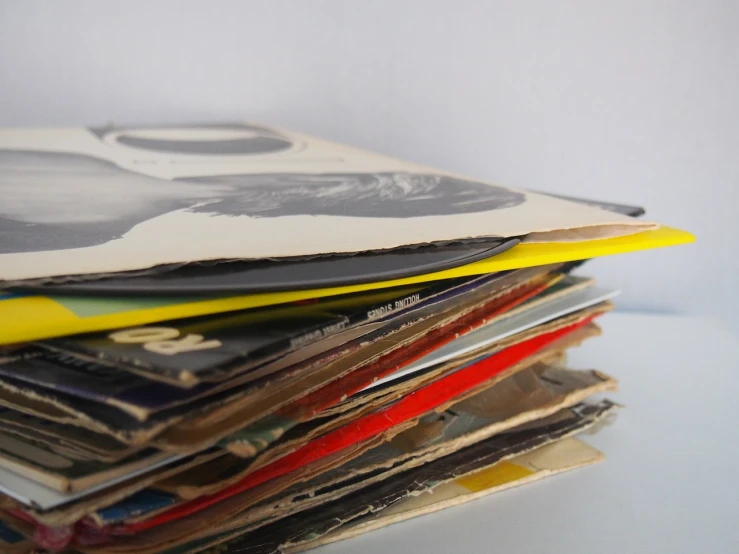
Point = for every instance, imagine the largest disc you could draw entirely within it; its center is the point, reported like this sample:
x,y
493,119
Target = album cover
x,y
509,325
228,470
365,432
214,413
526,396
324,402
385,354
213,348
242,277
308,526
562,455
56,509
532,393
103,200
314,523
37,461
559,383
27,317
96,446
542,391
250,338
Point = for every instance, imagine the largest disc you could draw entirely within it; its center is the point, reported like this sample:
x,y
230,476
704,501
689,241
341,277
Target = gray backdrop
x,y
634,101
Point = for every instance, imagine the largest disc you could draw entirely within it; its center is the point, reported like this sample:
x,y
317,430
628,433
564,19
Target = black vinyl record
x,y
248,277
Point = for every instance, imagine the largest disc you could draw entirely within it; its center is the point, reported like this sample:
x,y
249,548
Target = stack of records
x,y
230,338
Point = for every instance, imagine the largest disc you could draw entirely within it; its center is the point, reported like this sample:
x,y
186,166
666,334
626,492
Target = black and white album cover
x,y
102,200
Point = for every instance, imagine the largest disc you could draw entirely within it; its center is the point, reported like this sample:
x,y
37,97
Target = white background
x,y
634,101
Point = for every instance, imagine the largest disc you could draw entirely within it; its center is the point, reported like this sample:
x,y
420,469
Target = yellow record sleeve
x,y
29,317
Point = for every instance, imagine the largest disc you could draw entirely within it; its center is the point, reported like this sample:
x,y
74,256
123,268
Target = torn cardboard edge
x,y
228,421
61,428
363,405
510,324
37,462
76,511
377,424
560,456
12,541
134,488
79,509
250,467
371,468
325,518
326,398
97,446
47,504
324,324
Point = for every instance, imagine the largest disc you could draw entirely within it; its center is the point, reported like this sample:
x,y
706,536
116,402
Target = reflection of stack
x,y
316,405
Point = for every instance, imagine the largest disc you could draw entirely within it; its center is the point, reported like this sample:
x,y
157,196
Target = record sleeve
x,y
374,424
28,317
541,391
482,479
207,418
213,348
283,275
101,201
509,325
314,523
434,436
343,399
250,340
35,460
237,277
545,461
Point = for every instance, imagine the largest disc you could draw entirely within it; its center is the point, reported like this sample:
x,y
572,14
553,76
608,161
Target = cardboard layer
x,y
12,541
531,393
322,519
227,471
508,325
412,406
261,342
250,443
44,466
386,349
69,440
524,397
218,347
58,509
33,494
98,201
324,403
76,511
48,500
557,457
573,380
35,460
90,445
266,392
33,317
108,418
